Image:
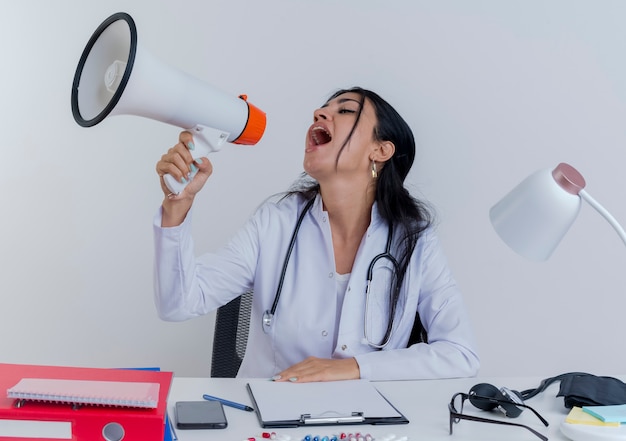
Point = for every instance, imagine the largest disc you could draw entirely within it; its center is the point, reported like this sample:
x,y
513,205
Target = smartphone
x,y
200,415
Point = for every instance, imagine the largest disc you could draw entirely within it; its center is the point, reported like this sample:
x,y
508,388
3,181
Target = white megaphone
x,y
116,76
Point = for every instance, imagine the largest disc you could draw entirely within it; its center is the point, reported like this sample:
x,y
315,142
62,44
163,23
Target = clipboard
x,y
348,402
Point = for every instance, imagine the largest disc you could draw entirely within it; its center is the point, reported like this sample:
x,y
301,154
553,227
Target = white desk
x,y
424,403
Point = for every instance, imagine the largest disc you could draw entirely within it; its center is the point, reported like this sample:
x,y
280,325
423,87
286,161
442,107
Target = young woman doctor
x,y
349,279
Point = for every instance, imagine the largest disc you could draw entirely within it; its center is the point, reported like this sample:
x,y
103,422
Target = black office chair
x,y
231,336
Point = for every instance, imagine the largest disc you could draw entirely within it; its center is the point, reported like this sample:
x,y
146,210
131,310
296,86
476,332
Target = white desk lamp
x,y
532,219
534,216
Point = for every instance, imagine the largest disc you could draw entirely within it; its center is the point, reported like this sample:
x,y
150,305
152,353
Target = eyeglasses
x,y
456,416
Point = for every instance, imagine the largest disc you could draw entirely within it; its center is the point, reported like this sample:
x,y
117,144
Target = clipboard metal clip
x,y
355,418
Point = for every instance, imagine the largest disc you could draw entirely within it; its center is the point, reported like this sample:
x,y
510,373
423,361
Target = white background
x,y
493,90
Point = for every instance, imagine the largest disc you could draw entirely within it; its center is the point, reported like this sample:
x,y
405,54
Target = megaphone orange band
x,y
255,127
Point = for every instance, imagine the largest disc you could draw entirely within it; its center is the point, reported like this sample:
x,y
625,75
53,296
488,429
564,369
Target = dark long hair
x,y
407,216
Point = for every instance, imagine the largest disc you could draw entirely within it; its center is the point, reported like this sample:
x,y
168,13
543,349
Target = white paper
x,y
284,401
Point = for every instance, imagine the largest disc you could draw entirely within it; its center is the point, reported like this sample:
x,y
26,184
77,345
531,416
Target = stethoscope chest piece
x,y
268,319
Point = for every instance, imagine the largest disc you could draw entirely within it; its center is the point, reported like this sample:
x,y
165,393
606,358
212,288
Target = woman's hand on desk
x,y
321,369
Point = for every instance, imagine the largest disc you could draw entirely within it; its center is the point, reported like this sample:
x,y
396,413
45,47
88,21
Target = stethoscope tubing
x,y
370,276
268,315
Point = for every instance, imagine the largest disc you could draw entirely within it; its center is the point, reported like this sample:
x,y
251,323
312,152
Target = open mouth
x,y
319,135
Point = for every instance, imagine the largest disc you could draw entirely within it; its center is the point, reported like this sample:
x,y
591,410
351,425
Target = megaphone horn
x,y
116,76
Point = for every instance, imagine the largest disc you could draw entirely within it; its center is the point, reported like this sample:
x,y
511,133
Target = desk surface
x,y
424,403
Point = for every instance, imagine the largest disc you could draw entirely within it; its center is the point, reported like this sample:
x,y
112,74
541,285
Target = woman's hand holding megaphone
x,y
179,164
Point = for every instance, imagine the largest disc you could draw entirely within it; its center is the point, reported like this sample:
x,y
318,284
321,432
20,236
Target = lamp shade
x,y
534,216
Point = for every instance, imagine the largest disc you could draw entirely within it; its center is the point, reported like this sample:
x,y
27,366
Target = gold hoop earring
x,y
374,171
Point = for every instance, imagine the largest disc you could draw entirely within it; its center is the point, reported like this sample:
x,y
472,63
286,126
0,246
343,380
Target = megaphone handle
x,y
206,140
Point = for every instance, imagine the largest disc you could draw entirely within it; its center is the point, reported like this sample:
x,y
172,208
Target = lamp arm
x,y
603,211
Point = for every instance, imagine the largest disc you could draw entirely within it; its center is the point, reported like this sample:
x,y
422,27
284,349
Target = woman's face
x,y
332,124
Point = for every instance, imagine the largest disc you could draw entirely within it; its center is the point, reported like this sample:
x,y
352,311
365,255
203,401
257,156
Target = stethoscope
x,y
268,315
